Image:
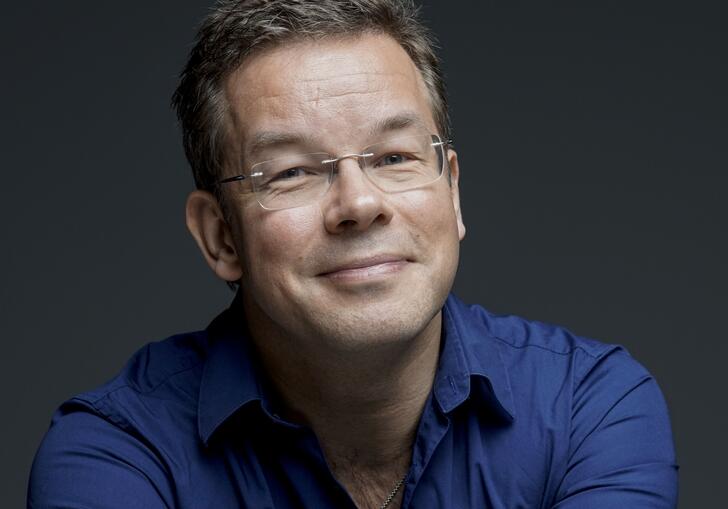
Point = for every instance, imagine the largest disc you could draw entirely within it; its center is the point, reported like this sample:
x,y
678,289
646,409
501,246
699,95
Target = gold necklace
x,y
393,493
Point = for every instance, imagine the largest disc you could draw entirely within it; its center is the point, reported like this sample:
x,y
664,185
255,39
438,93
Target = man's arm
x,y
621,453
88,462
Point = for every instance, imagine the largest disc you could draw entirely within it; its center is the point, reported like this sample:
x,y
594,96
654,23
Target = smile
x,y
366,270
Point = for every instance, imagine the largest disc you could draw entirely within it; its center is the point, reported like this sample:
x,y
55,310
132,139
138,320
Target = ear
x,y
206,222
452,158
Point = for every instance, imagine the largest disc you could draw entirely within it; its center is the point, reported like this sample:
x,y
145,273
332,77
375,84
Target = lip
x,y
367,268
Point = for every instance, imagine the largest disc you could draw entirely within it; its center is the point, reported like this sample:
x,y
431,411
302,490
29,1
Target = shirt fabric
x,y
521,415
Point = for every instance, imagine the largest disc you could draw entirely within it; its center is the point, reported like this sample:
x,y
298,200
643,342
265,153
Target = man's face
x,y
359,265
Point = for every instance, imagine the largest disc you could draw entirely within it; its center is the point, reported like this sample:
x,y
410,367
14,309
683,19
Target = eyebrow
x,y
268,139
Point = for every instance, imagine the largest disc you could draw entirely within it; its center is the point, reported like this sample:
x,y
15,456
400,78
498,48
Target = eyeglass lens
x,y
395,165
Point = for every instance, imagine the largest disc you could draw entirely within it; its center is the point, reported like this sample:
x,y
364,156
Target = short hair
x,y
235,29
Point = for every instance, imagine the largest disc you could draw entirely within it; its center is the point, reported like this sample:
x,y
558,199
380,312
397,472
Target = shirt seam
x,y
128,385
540,347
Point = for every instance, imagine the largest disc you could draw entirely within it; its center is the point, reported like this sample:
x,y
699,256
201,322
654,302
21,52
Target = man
x,y
343,375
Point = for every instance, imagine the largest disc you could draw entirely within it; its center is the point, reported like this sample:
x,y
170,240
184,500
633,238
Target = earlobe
x,y
206,222
452,158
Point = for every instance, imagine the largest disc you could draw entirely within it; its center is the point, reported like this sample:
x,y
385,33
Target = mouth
x,y
366,269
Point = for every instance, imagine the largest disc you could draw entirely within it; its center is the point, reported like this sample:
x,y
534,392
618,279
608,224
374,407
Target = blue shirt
x,y
521,415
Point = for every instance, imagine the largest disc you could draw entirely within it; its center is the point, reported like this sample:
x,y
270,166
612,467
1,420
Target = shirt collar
x,y
230,378
471,366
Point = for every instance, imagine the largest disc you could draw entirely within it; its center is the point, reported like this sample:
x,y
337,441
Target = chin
x,y
377,323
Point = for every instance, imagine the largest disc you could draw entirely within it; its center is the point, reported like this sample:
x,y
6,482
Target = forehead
x,y
332,91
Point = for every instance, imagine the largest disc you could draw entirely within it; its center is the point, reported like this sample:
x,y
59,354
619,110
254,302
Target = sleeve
x,y
87,462
621,451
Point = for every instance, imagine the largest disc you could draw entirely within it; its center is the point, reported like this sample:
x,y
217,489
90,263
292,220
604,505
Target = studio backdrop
x,y
592,145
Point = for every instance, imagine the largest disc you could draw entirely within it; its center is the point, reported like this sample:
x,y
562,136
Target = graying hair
x,y
235,29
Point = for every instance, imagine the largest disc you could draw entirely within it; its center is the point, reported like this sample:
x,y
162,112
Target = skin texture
x,y
343,296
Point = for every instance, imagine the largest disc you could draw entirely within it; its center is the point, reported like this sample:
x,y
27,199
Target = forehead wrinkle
x,y
266,139
319,96
399,121
341,87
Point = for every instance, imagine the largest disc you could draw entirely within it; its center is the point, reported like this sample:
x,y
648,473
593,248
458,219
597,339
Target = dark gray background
x,y
592,142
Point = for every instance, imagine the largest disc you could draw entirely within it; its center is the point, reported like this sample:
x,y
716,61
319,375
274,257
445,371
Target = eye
x,y
391,159
289,174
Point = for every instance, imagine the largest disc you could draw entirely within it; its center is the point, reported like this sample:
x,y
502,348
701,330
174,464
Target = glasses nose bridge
x,y
360,158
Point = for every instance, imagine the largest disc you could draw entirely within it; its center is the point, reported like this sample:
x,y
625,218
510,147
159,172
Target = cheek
x,y
278,242
431,210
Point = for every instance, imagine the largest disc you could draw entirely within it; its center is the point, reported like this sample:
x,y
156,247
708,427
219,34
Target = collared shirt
x,y
521,415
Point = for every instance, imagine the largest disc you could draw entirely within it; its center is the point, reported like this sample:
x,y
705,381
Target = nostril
x,y
347,223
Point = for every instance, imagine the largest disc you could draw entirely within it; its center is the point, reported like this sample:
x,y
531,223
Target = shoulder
x,y
156,390
168,369
547,366
528,344
120,435
605,414
520,333
167,372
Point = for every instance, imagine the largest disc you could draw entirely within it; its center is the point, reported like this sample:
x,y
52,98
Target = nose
x,y
354,203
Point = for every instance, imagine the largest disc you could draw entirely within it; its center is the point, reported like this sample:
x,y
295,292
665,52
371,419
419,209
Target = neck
x,y
363,405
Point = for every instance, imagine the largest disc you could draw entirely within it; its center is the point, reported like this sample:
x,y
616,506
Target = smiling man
x,y
344,374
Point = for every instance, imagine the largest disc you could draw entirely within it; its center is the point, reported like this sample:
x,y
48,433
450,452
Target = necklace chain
x,y
393,493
